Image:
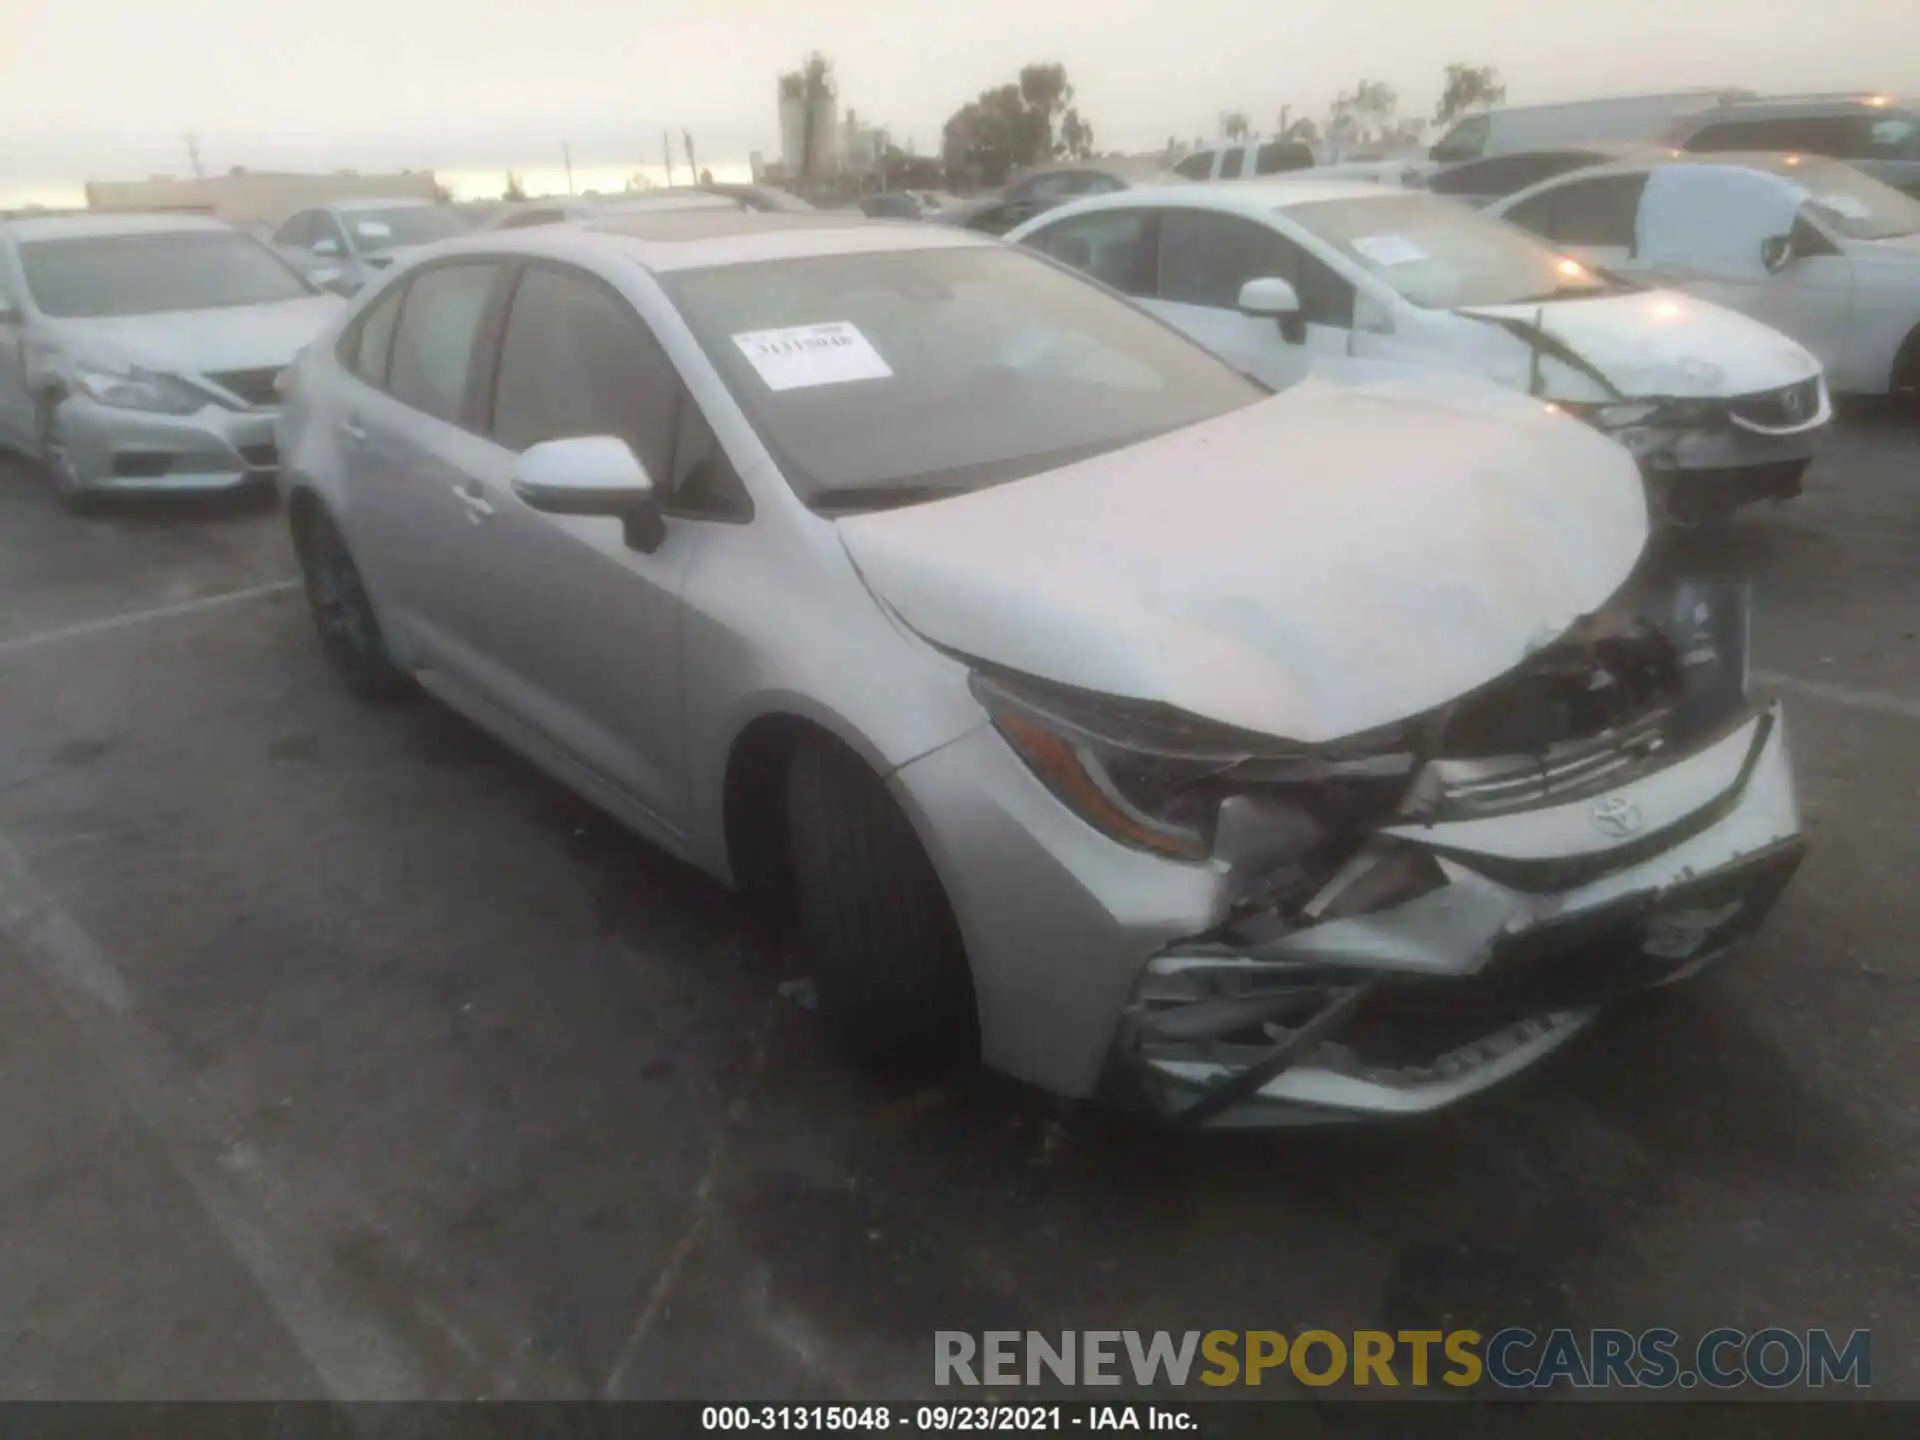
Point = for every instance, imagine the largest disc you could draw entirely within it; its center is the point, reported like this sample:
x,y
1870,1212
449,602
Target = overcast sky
x,y
107,88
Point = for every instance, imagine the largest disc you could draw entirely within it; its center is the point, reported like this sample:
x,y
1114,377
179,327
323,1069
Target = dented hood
x,y
1318,564
1660,344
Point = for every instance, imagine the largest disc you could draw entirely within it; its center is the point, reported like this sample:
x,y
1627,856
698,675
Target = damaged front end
x,y
1416,913
1702,454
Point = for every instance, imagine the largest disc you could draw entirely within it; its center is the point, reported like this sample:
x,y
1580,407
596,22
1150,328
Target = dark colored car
x,y
1481,182
1870,132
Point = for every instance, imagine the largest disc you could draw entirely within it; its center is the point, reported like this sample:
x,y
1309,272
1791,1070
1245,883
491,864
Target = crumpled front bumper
x,y
1541,916
213,449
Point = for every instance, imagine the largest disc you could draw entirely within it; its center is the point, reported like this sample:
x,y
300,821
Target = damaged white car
x,y
1812,247
1106,716
1347,278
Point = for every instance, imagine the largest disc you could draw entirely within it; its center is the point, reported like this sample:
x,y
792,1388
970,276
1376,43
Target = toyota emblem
x,y
1616,815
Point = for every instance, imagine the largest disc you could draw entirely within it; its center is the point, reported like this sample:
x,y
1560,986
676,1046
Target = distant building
x,y
793,132
862,147
260,197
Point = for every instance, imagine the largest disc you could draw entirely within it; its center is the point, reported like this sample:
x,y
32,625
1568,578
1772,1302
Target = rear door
x,y
16,401
417,507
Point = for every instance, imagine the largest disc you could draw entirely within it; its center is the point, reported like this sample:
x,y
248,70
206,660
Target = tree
x,y
1076,137
1466,87
513,189
1233,125
1374,102
1303,130
811,84
1011,126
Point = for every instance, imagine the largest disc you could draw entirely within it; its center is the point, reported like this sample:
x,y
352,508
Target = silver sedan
x,y
1247,757
139,352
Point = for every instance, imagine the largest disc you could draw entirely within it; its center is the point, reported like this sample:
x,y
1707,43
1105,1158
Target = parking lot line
x,y
142,617
1847,695
284,1218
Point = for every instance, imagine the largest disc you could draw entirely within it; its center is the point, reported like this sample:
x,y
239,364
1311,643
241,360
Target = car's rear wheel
x,y
889,966
342,614
57,460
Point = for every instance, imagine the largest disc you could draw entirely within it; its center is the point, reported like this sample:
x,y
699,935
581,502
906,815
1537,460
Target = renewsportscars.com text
x,y
1511,1359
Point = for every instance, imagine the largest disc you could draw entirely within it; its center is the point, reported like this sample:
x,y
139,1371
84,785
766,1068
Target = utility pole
x,y
193,156
666,150
1285,110
566,154
693,170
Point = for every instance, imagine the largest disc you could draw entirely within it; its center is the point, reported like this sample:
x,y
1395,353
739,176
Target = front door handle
x,y
478,507
354,432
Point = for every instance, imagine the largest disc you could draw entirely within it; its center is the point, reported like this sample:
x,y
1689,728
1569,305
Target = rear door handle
x,y
474,498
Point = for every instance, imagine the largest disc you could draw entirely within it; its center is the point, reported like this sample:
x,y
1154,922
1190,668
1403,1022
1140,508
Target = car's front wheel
x,y
889,966
342,613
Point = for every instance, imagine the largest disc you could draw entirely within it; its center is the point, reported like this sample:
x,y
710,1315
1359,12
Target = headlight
x,y
1613,416
1155,779
137,389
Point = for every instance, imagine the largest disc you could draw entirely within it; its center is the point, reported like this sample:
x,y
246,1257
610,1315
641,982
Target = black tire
x,y
1905,386
342,614
888,963
57,463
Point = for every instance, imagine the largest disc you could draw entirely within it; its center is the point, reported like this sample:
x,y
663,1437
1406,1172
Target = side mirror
x,y
592,475
1276,298
1775,252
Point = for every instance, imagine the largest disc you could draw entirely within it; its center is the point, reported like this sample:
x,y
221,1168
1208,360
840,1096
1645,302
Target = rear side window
x,y
1197,166
298,232
1598,212
1837,135
1509,174
1232,163
370,342
1278,156
577,360
1110,245
1464,141
433,346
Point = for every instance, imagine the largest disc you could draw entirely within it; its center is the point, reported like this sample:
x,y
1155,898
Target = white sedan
x,y
1813,247
1351,279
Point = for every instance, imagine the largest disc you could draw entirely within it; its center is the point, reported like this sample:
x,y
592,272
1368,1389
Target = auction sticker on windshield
x,y
808,355
1389,250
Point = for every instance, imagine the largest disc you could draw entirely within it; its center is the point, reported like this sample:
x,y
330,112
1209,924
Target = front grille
x,y
1781,409
1500,784
253,386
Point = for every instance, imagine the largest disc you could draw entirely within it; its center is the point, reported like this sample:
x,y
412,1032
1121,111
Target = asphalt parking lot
x,y
345,1055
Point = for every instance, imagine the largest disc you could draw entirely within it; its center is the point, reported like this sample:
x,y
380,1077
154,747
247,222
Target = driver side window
x,y
1110,245
1205,258
297,232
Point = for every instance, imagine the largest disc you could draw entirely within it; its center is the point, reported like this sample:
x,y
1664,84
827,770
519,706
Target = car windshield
x,y
99,275
1851,203
883,378
377,230
1440,254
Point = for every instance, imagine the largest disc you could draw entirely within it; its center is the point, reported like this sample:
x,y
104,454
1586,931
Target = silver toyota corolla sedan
x,y
138,352
1248,757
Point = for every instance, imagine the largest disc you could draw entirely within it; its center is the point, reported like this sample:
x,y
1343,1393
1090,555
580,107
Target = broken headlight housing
x,y
1157,779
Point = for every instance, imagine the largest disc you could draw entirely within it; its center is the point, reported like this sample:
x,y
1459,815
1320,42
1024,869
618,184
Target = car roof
x,y
396,202
1245,197
1788,106
1773,162
89,225
668,240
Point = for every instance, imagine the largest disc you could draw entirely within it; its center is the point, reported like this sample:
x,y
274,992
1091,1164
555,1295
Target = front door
x,y
1204,257
581,630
